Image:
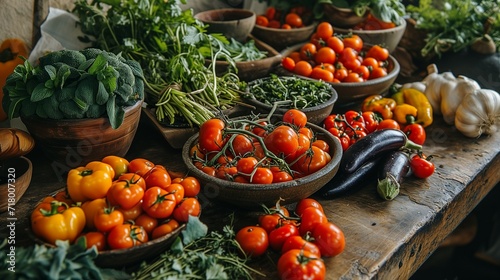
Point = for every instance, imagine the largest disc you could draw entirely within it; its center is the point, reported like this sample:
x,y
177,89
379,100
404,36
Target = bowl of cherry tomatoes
x,y
354,69
257,160
281,29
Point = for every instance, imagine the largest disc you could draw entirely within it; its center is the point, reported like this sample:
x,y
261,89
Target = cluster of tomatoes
x,y
301,240
337,58
259,152
123,203
274,18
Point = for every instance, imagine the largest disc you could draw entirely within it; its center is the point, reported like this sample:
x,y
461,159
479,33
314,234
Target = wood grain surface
x,y
384,239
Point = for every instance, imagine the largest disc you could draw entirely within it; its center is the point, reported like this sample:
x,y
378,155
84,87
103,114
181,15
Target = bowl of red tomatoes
x,y
257,160
281,29
353,68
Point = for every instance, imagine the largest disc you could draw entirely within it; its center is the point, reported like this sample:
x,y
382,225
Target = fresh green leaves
x,y
74,84
64,261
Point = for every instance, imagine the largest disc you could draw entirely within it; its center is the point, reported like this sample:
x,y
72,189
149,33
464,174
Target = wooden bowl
x,y
75,142
343,17
388,38
315,114
19,171
251,70
233,23
282,38
350,93
252,196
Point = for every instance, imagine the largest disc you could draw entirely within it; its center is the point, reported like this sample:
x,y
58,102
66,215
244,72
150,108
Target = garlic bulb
x,y
478,113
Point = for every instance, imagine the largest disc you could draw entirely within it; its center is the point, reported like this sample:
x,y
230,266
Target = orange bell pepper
x,y
378,104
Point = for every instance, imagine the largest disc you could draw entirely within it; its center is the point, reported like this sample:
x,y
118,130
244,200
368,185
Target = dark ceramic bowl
x,y
252,196
233,23
315,114
282,38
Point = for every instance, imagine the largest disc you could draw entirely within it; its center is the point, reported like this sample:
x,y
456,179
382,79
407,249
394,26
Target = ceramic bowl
x,y
75,142
350,93
20,169
282,38
388,38
315,114
233,23
343,17
252,196
251,70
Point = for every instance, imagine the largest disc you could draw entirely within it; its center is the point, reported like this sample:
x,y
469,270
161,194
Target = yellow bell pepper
x,y
55,220
418,100
405,114
90,182
378,104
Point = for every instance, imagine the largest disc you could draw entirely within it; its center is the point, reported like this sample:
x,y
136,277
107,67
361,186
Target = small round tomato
x,y
132,213
288,63
378,52
415,132
371,121
147,222
340,73
262,175
353,77
177,190
325,55
95,238
295,117
246,165
261,20
281,176
370,62
253,240
191,185
305,203
378,72
270,12
336,44
298,242
158,203
353,41
241,145
125,194
324,30
421,166
158,177
319,73
307,52
313,160
329,238
165,228
140,166
133,178
119,164
303,68
282,140
126,236
301,264
107,218
388,124
278,236
188,207
322,144
210,135
310,218
294,20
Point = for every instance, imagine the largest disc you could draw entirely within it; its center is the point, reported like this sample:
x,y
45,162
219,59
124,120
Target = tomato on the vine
x,y
158,203
295,117
371,121
210,137
421,166
262,175
305,203
301,264
415,132
191,185
278,236
313,160
298,242
253,240
282,140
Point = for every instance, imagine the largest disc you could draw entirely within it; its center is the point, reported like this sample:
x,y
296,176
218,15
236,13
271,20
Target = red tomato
x,y
300,264
107,218
288,63
165,228
325,55
269,222
191,185
305,203
415,132
246,165
295,117
329,238
421,166
188,207
261,20
314,160
297,242
253,240
158,203
140,166
278,236
283,140
307,52
95,238
125,193
303,68
378,52
158,177
353,41
242,145
371,121
262,175
294,20
336,44
177,190
319,73
388,124
210,135
324,30
310,218
147,222
126,236
378,73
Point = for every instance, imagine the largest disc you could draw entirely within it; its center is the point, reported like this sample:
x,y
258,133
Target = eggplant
x,y
394,168
374,145
344,182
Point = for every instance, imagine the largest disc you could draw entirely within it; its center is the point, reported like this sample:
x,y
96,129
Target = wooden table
x,y
384,239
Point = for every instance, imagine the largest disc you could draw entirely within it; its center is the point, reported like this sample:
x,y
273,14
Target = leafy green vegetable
x,y
200,255
64,261
452,25
303,93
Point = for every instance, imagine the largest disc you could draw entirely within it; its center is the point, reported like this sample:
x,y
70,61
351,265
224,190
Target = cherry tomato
x,y
191,185
158,203
242,145
353,41
246,165
210,135
297,242
125,194
95,238
303,68
329,238
132,213
363,71
140,166
107,218
261,20
253,240
321,74
282,140
305,203
262,175
336,44
324,30
340,72
314,160
147,222
165,228
322,144
126,236
188,207
301,264
325,55
378,52
307,51
269,222
415,132
133,178
294,20
278,236
388,123
421,166
378,72
158,177
371,121
295,56
310,218
270,13
177,190
295,117
288,63
370,62
343,138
